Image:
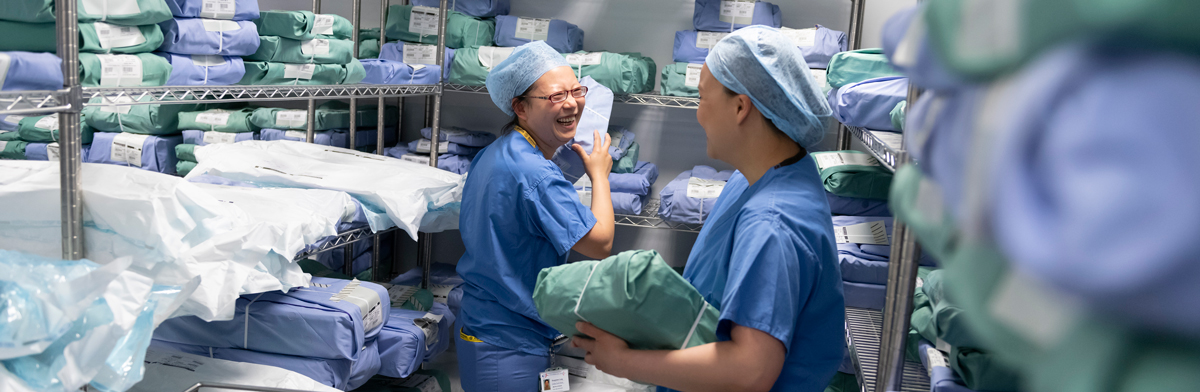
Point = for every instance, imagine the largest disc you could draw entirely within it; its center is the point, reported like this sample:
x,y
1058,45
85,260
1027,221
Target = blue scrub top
x,y
767,259
519,215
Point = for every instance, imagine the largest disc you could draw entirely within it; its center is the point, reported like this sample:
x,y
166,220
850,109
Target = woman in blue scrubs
x,y
766,257
520,215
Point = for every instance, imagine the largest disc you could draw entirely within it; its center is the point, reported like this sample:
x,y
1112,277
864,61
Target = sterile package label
x,y
207,60
584,58
425,144
127,148
218,9
219,25
699,188
819,77
802,37
323,24
3,145
491,56
429,324
399,294
420,54
113,106
315,47
214,137
422,382
737,11
920,282
120,70
302,135
708,39
692,77
533,29
14,118
424,160
553,380
291,118
936,359
368,302
870,233
52,152
112,36
441,292
585,197
423,20
110,7
213,117
828,160
48,122
299,71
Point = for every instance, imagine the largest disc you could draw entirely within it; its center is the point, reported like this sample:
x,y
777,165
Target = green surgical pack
x,y
634,295
144,119
185,152
898,114
182,168
858,65
29,11
409,297
44,129
125,12
93,37
368,49
320,50
302,25
123,70
628,162
681,79
265,73
13,149
329,115
852,173
219,120
462,31
8,136
472,65
623,73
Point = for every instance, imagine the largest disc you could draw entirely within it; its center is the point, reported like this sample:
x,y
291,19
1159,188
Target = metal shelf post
x,y
69,130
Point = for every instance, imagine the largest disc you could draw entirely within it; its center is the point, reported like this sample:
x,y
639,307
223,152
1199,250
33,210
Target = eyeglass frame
x,y
582,93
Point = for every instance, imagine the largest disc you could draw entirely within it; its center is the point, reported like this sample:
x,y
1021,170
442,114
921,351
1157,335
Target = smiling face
x,y
551,124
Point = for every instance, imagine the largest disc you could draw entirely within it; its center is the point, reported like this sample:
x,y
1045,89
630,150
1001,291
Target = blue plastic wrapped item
x,y
331,318
43,297
30,71
628,203
869,103
867,263
395,51
41,151
461,136
918,62
444,282
344,374
637,183
941,377
423,146
719,15
864,295
476,8
411,337
842,205
598,108
231,10
513,31
691,46
204,138
209,37
153,153
335,137
675,205
203,70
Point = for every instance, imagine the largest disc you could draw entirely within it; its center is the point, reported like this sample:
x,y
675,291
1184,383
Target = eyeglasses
x,y
578,92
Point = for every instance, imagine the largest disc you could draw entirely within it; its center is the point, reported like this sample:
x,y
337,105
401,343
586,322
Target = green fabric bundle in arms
x,y
134,70
320,50
330,115
634,295
623,73
852,173
44,129
858,65
219,120
675,80
462,31
303,25
146,119
265,73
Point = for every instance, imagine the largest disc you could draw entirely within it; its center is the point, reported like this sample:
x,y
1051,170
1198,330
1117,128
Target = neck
x,y
762,153
544,146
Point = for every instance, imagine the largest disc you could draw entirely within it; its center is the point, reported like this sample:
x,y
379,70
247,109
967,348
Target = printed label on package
x,y
127,148
699,188
819,77
421,382
213,137
692,78
936,359
3,145
491,56
291,118
104,8
300,135
207,60
48,122
802,37
441,292
423,20
828,160
870,233
315,47
708,39
112,36
533,29
420,54
114,105
424,145
737,11
52,152
218,9
213,117
299,71
323,24
584,58
219,25
13,118
120,70
421,159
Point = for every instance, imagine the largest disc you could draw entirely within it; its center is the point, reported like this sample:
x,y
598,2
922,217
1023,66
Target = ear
x,y
518,106
744,107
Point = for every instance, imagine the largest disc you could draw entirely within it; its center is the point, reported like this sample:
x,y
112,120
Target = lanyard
x,y
526,135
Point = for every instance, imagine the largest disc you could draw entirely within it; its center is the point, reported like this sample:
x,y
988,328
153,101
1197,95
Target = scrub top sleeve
x,y
557,213
767,285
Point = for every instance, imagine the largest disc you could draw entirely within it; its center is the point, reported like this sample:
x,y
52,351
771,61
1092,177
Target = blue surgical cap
x,y
762,63
515,74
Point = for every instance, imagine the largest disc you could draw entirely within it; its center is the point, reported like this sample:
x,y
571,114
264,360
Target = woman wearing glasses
x,y
520,215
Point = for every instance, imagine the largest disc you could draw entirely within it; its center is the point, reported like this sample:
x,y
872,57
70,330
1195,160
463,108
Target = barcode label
x,y
533,29
584,58
423,20
213,117
315,47
127,148
299,71
220,25
213,137
692,78
323,25
116,105
699,188
420,54
218,9
112,36
828,160
737,11
120,70
870,233
801,37
291,118
708,39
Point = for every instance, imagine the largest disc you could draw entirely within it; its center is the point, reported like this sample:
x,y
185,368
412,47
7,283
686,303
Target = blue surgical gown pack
x,y
869,103
331,318
461,136
708,16
334,137
842,205
638,182
37,151
449,148
230,10
153,153
395,51
30,71
204,138
204,70
675,205
209,36
345,374
476,8
383,71
826,43
403,345
867,263
559,34
456,164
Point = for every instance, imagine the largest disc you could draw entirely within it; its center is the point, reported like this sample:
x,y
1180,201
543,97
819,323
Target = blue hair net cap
x,y
515,74
762,63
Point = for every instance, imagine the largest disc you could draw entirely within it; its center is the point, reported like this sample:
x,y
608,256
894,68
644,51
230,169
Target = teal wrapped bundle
x,y
185,152
182,168
263,73
146,119
134,70
675,80
623,73
13,149
330,115
898,114
44,129
320,50
303,25
462,31
634,295
219,120
858,65
39,37
124,13
852,173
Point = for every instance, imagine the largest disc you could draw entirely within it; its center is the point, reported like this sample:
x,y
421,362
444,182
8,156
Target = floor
x,y
448,362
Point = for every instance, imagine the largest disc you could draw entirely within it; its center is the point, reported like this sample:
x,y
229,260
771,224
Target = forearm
x,y
710,367
597,243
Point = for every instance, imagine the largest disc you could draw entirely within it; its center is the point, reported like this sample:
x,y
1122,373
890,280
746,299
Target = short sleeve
x,y
557,214
767,284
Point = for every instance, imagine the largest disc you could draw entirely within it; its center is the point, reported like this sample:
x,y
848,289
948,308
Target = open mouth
x,y
566,121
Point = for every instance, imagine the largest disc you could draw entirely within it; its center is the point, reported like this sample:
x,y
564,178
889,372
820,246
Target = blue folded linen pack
x,y
384,71
461,136
146,152
476,8
842,205
365,137
209,37
628,203
411,337
203,70
231,10
942,377
725,15
41,151
394,51
676,207
869,103
457,164
22,71
423,146
342,374
204,138
331,318
637,183
867,263
864,295
818,44
622,139
561,35
444,282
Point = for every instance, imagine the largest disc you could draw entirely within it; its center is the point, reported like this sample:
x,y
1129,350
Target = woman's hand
x,y
598,163
604,350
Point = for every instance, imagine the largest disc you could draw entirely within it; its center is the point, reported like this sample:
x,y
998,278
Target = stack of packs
x,y
713,19
206,40
872,79
412,63
331,127
211,126
691,196
855,183
630,180
456,148
472,65
302,48
864,248
337,345
35,138
412,337
142,136
414,31
30,71
623,73
513,31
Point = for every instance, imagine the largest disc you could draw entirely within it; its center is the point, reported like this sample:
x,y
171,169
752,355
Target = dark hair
x,y
512,124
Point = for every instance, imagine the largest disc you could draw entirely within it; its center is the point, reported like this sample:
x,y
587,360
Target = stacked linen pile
x,y
206,40
201,128
864,248
141,136
337,347
855,183
456,147
691,196
331,126
36,138
444,284
865,89
302,48
414,333
25,71
414,29
630,180
623,73
513,31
